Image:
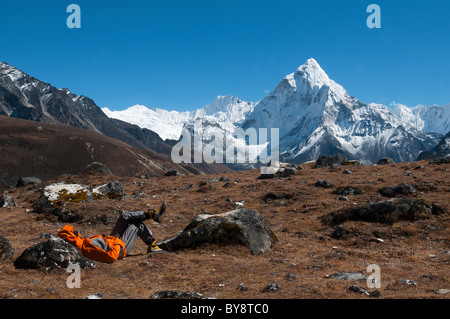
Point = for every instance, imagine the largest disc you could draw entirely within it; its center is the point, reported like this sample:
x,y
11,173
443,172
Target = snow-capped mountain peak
x,y
313,73
315,116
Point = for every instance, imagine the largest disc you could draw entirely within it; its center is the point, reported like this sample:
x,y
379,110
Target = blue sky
x,y
179,54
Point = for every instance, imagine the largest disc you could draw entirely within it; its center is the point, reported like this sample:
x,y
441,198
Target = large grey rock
x,y
113,190
337,159
53,197
287,171
243,226
54,253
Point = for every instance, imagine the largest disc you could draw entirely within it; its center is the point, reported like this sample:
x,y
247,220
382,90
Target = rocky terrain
x,y
330,224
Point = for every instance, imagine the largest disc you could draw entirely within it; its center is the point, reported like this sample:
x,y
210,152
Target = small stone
x,y
270,288
408,282
346,275
242,287
290,277
443,291
357,289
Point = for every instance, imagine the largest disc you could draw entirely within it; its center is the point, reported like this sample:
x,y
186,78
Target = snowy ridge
x,y
227,111
428,119
168,124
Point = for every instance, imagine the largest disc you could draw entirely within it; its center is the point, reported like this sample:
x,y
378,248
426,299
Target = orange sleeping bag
x,y
99,248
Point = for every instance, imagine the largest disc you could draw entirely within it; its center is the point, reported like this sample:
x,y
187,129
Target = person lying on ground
x,y
128,228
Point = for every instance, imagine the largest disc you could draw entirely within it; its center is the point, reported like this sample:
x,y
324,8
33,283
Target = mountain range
x,y
25,97
315,116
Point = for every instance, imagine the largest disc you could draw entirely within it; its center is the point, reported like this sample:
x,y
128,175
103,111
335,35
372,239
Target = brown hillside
x,y
29,148
307,253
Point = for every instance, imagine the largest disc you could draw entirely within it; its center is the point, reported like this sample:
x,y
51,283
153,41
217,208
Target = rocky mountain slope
x,y
25,97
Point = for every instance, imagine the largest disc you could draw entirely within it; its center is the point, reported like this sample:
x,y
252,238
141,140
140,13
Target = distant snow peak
x,y
225,110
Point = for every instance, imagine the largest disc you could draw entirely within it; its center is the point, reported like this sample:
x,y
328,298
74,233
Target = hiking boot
x,y
153,248
157,215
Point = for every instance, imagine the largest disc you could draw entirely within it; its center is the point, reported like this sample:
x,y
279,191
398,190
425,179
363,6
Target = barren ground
x,y
299,262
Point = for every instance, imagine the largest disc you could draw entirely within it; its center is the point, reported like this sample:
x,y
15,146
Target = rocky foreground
x,y
324,227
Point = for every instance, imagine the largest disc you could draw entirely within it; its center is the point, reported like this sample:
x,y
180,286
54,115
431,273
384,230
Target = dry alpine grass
x,y
300,262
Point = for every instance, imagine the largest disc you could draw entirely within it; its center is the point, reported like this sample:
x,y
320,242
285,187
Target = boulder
x,y
337,159
287,171
393,191
96,167
6,201
53,197
113,190
323,184
242,226
66,192
25,181
386,161
347,275
54,253
359,290
270,288
385,212
6,250
172,173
